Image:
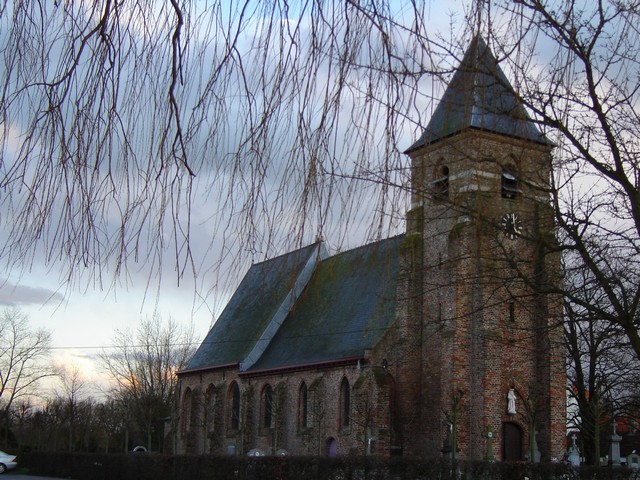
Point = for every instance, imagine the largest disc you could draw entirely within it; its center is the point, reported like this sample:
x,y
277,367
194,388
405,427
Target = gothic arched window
x,y
267,406
509,183
209,409
441,183
303,406
185,423
233,400
345,403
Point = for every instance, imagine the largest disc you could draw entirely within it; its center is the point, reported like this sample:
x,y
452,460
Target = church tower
x,y
486,329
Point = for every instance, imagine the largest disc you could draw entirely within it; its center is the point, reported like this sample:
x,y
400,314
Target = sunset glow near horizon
x,y
83,325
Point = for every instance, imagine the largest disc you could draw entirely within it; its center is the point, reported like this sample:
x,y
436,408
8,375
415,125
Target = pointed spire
x,y
479,96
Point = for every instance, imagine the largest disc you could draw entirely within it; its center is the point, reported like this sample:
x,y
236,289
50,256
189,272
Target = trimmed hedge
x,y
166,467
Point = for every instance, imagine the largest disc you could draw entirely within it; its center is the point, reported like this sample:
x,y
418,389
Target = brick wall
x,y
486,326
369,424
471,325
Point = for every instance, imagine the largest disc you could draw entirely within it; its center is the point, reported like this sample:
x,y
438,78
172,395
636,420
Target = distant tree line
x,y
71,415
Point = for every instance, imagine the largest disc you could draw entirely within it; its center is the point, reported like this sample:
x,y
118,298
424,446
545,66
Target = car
x,y
7,462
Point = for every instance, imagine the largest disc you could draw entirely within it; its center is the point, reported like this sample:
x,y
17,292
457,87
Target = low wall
x,y
166,467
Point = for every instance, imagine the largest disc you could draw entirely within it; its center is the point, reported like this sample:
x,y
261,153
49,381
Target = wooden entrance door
x,y
512,443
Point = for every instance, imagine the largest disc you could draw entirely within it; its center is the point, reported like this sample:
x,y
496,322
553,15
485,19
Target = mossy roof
x,y
250,309
346,308
479,96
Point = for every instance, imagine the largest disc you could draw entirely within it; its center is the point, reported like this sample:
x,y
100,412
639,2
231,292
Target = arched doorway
x,y
511,442
332,447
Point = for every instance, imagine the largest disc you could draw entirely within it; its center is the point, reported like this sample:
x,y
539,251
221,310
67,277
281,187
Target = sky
x,y
83,316
83,322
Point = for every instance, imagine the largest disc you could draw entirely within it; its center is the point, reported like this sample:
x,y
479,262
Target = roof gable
x,y
479,96
346,308
253,305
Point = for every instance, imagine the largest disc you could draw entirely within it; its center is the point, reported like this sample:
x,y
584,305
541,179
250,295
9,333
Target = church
x,y
446,340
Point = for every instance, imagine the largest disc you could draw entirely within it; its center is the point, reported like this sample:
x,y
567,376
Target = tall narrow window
x,y
441,184
303,406
209,409
186,411
234,401
345,403
509,183
267,406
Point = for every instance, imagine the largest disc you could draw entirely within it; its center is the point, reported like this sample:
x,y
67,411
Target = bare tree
x,y
585,96
24,355
115,114
603,370
144,365
72,392
123,104
112,110
22,413
288,115
110,421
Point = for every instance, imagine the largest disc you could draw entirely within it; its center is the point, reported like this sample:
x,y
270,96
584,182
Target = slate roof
x,y
479,96
250,309
346,308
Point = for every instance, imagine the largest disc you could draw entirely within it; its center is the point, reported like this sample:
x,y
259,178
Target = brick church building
x,y
443,339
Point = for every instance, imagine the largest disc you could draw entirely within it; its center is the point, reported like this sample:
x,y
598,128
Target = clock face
x,y
512,225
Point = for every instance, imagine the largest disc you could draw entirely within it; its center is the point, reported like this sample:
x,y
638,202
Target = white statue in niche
x,y
511,402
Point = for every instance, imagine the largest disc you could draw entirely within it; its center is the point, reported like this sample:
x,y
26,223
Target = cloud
x,y
13,295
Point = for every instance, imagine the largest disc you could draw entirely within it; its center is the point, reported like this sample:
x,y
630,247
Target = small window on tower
x,y
441,184
509,184
512,312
